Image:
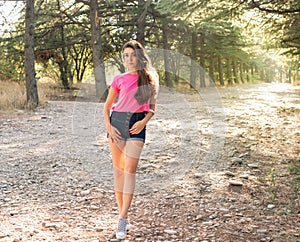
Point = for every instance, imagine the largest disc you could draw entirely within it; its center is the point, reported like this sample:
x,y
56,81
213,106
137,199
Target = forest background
x,y
54,45
70,50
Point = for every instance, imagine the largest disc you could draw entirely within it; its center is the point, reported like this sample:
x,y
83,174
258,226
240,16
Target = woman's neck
x,y
132,72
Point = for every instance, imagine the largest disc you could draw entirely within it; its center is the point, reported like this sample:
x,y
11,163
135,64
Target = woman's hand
x,y
115,134
137,127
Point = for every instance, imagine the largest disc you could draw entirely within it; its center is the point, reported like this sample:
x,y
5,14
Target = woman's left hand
x,y
137,127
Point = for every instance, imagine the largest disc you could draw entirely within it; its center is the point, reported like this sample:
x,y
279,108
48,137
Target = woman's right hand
x,y
115,134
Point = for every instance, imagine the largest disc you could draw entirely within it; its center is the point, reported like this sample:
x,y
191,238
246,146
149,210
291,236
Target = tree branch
x,y
258,5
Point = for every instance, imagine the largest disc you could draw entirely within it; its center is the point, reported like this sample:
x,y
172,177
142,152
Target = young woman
x,y
126,123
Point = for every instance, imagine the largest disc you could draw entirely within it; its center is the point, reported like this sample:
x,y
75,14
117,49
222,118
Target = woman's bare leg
x,y
117,151
133,149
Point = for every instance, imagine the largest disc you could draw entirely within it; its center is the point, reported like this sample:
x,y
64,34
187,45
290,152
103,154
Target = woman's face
x,y
130,59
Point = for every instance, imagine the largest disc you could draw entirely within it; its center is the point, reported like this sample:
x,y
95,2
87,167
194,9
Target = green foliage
x,y
295,184
294,170
234,31
11,58
181,9
271,178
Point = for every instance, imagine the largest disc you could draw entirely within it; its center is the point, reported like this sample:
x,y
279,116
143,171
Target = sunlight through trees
x,y
234,42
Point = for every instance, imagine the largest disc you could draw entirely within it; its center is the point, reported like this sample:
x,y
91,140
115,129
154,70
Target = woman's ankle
x,y
123,216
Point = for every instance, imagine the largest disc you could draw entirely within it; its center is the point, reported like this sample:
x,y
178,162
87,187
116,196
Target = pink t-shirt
x,y
126,86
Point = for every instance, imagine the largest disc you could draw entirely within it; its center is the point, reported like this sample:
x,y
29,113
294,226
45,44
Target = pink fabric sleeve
x,y
115,84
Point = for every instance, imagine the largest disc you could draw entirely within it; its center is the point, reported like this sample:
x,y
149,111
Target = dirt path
x,y
220,165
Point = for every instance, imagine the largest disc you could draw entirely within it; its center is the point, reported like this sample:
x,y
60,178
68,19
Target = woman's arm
x,y
112,95
151,113
138,126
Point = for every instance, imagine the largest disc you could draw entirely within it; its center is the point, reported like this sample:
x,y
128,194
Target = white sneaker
x,y
121,230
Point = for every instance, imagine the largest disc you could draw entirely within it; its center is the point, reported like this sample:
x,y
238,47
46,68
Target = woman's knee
x,y
130,170
118,170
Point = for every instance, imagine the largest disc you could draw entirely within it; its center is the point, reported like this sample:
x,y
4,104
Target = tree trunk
x,y
246,67
31,86
193,70
141,22
70,75
64,65
81,59
289,76
202,61
64,68
166,55
252,70
211,70
295,79
262,75
234,70
220,70
229,73
97,50
241,72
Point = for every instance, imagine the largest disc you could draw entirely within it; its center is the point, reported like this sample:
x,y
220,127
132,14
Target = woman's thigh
x,y
117,152
133,150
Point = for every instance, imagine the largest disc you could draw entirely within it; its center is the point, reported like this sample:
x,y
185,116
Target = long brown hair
x,y
146,83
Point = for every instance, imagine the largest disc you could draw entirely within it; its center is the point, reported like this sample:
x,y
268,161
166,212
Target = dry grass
x,y
48,90
13,95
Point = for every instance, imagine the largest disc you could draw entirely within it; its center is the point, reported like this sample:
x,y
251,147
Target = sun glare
x,y
10,13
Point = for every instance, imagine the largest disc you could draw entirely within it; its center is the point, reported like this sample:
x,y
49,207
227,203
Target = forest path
x,y
56,174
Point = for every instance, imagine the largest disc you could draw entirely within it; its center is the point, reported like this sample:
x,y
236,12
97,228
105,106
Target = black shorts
x,y
123,121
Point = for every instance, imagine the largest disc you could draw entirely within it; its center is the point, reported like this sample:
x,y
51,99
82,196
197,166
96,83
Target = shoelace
x,y
122,225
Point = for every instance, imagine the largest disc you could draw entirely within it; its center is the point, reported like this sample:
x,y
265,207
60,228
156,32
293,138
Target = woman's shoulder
x,y
118,77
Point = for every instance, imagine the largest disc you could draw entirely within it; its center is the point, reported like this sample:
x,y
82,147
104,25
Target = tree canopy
x,y
232,41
